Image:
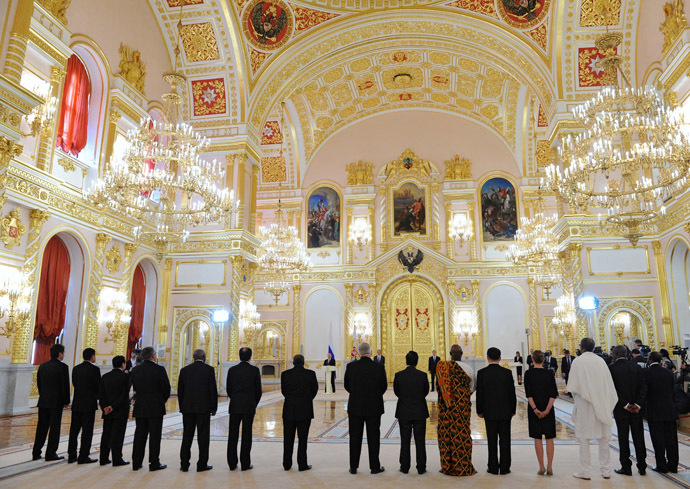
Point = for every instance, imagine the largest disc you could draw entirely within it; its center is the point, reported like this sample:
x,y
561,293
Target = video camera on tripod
x,y
681,352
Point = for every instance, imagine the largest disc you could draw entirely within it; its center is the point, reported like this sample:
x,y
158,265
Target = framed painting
x,y
499,210
323,218
409,202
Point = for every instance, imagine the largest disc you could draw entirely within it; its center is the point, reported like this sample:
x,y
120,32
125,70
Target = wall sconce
x,y
359,233
362,329
117,314
249,320
460,228
15,302
42,115
465,326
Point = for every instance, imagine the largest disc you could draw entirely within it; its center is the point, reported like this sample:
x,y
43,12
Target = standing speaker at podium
x,y
330,362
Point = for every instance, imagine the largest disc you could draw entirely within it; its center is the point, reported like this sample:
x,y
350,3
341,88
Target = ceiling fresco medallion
x,y
267,24
523,14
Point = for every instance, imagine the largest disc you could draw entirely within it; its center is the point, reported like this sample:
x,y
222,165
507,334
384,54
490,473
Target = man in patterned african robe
x,y
455,381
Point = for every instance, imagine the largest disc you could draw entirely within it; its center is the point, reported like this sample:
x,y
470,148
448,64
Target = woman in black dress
x,y
541,392
518,359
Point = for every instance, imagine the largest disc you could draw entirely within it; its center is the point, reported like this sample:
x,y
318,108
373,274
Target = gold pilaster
x,y
373,291
120,347
94,298
669,337
476,306
450,245
372,242
113,117
473,240
163,316
8,149
235,287
571,264
436,223
252,202
241,162
296,318
46,146
535,330
24,334
16,45
349,315
349,245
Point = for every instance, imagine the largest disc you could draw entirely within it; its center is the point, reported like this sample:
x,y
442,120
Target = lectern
x,y
329,369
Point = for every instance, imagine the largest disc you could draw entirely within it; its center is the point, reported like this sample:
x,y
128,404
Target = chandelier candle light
x,y
15,302
248,320
117,314
565,314
359,233
631,158
460,229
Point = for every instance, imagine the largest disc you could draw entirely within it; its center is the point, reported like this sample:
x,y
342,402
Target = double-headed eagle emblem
x,y
268,23
522,8
409,259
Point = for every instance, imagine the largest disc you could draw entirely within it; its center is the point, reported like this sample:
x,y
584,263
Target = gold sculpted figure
x,y
360,173
674,24
132,68
458,169
58,8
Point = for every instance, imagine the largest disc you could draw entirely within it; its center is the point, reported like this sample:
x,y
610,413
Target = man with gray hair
x,y
198,395
366,382
299,386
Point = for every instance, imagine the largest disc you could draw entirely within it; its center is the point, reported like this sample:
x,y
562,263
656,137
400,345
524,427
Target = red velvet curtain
x,y
136,326
74,110
52,297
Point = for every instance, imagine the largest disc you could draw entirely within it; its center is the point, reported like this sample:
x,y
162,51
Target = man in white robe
x,y
595,396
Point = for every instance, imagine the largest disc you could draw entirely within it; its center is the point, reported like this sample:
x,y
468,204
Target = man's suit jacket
x,y
299,386
433,363
495,393
197,390
630,385
152,388
529,362
114,392
565,365
660,405
86,378
382,361
639,361
553,364
411,386
330,362
52,381
244,388
366,382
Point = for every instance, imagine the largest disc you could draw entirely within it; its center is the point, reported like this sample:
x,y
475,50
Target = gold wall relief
x,y
12,229
412,319
642,307
113,259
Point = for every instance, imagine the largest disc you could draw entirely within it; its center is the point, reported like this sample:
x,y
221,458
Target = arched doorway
x,y
678,266
412,318
144,298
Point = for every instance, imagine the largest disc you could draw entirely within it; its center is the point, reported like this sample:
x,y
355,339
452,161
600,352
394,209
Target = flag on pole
x,y
330,344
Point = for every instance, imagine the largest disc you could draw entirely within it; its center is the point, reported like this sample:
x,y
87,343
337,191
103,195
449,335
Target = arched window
x,y
52,299
136,325
73,122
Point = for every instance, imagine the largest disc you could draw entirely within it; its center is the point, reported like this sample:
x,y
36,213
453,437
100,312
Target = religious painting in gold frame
x,y
409,210
499,209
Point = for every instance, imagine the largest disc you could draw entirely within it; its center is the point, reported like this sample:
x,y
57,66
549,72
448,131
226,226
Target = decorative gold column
x,y
372,242
114,116
252,202
241,162
296,318
164,303
120,347
571,264
473,240
349,317
235,287
46,146
94,298
669,337
24,335
19,35
436,213
450,245
476,306
383,245
373,291
348,244
535,330
8,149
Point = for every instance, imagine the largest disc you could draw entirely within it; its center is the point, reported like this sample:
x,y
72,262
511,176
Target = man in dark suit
x,y
198,396
550,363
330,362
661,414
636,358
299,386
566,363
366,382
113,396
496,403
411,386
529,362
433,362
244,390
152,390
132,362
86,377
380,359
52,381
632,392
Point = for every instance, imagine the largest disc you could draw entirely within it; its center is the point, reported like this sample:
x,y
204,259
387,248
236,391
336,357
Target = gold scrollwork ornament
x,y
132,68
458,168
12,229
113,259
361,295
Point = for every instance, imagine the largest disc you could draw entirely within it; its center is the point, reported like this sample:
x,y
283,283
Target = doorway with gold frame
x,y
412,318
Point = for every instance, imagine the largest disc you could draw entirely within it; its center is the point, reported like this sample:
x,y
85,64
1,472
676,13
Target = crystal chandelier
x,y
15,301
117,315
161,181
281,254
248,320
460,229
465,326
359,233
633,155
536,247
565,314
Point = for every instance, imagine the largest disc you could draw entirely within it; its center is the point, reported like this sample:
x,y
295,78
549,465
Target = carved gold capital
x,y
348,287
8,149
57,74
114,116
102,239
297,289
37,218
657,247
168,264
130,248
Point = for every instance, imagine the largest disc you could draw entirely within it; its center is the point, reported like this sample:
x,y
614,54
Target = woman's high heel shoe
x,y
542,471
549,471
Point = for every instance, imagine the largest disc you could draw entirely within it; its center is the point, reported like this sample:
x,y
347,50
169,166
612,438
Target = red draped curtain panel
x,y
52,298
74,110
136,326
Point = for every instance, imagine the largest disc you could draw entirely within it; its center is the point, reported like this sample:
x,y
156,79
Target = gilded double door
x,y
413,311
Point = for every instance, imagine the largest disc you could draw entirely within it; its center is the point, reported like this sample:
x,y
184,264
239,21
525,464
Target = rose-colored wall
x,y
433,136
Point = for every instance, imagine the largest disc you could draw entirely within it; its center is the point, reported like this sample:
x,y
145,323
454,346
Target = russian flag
x,y
330,344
